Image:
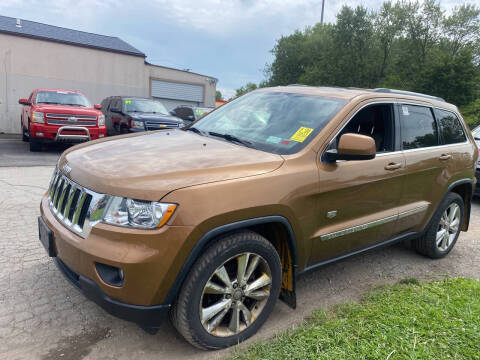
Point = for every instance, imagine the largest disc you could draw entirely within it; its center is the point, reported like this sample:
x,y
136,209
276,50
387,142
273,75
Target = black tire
x,y
185,314
24,137
35,145
427,244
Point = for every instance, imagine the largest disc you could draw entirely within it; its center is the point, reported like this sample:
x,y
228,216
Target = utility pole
x,y
323,9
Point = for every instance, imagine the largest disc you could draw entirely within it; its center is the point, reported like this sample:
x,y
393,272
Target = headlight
x,y
37,117
181,125
137,213
137,124
101,120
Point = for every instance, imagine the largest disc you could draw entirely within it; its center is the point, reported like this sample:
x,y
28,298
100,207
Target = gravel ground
x,y
42,316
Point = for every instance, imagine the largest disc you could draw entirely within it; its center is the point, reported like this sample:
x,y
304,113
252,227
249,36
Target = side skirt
x,y
403,237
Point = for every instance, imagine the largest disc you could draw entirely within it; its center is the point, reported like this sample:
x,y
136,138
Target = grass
x,y
410,320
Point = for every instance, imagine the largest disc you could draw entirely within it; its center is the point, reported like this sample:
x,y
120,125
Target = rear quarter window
x,y
418,127
450,126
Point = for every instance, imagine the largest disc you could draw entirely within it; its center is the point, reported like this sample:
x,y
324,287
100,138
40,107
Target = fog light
x,y
39,134
111,275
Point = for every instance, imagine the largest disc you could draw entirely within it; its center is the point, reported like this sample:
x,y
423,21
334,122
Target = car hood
x,y
155,117
148,166
62,109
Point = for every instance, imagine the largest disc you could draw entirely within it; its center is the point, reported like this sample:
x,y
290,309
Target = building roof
x,y
41,31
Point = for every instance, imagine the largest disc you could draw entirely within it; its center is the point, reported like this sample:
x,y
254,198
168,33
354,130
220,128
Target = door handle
x,y
393,166
445,157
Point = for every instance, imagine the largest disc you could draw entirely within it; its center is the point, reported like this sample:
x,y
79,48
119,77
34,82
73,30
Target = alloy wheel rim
x,y
448,227
235,295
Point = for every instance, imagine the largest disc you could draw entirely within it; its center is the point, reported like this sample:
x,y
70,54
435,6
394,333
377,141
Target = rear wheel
x,y
444,229
229,293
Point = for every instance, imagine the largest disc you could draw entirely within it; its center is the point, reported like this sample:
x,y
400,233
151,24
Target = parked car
x,y
262,195
59,116
127,114
190,113
476,135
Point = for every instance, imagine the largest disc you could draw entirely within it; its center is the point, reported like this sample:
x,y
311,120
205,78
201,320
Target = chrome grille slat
x,y
77,208
66,116
159,125
71,194
67,122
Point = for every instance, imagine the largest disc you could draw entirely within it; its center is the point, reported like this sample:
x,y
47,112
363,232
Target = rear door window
x,y
450,127
418,127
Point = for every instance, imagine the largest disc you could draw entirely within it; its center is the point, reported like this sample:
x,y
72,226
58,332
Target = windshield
x,y
282,123
62,98
199,112
145,106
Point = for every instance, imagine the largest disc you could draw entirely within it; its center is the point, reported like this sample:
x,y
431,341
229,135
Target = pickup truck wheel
x,y
444,228
35,145
230,291
24,136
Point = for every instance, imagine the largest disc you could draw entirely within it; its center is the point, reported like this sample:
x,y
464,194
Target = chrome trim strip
x,y
357,228
372,224
414,211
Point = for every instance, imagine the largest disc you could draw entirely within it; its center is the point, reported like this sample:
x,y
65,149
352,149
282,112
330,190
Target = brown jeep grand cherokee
x,y
213,223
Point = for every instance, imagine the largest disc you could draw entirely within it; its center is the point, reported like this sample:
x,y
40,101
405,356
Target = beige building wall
x,y
27,64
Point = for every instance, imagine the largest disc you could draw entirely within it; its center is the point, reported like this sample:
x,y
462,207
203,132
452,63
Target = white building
x,y
35,55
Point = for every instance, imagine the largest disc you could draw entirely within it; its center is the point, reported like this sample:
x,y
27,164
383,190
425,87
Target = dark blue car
x,y
126,114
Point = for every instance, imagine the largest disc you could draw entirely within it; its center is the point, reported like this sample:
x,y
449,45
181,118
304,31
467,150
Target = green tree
x,y
245,89
218,95
411,45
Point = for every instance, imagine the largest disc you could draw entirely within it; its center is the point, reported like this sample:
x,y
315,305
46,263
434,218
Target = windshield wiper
x,y
74,105
231,138
48,102
195,130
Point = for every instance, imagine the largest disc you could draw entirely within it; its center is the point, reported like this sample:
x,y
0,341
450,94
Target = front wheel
x,y
230,291
444,228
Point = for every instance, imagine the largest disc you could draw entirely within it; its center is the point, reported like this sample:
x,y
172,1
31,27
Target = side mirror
x,y
172,112
353,147
97,106
24,102
190,117
115,110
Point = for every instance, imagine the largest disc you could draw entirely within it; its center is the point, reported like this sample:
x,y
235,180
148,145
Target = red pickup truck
x,y
60,116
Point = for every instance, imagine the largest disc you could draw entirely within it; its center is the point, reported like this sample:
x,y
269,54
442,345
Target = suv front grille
x,y
149,125
69,119
76,207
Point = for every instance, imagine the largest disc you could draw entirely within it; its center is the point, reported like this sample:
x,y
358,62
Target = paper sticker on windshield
x,y
128,101
405,110
273,139
301,134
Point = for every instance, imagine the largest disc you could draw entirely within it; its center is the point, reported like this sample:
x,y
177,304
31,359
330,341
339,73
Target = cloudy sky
x,y
230,39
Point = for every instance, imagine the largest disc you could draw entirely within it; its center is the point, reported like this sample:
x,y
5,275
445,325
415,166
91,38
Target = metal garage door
x,y
177,91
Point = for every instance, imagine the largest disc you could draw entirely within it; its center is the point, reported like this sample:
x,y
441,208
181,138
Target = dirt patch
x,y
78,346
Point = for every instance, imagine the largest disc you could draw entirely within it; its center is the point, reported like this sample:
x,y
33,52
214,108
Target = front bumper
x,y
150,260
50,133
145,316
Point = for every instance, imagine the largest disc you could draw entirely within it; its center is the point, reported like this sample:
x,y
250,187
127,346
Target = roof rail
x,y
404,92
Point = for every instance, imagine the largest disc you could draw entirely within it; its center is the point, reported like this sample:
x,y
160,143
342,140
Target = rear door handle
x,y
445,157
393,166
